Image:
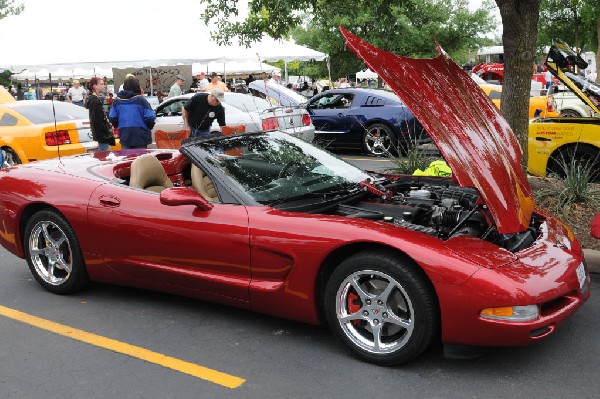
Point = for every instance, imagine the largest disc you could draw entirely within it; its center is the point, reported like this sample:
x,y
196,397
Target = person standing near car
x,y
175,91
101,129
132,115
215,83
201,110
76,94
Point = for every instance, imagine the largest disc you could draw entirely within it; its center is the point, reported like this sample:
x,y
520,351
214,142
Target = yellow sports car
x,y
539,106
42,129
554,142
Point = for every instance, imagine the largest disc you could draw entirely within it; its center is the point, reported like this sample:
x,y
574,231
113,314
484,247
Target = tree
x,y
573,21
7,8
400,26
520,21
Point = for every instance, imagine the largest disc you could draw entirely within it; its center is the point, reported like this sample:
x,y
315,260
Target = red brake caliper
x,y
353,304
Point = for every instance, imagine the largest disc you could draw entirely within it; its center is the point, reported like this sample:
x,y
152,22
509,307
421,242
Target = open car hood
x,y
277,94
469,131
560,62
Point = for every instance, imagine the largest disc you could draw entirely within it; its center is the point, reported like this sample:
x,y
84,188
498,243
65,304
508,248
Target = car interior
x,y
159,171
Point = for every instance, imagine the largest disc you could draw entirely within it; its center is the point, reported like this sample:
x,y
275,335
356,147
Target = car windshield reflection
x,y
273,167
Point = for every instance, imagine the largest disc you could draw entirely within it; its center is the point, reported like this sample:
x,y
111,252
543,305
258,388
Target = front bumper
x,y
545,274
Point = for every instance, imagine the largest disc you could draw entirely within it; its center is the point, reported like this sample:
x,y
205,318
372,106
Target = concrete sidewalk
x,y
592,258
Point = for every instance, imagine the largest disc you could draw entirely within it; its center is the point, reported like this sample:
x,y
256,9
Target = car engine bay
x,y
438,208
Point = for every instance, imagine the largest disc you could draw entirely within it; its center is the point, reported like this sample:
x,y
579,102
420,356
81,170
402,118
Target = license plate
x,y
581,275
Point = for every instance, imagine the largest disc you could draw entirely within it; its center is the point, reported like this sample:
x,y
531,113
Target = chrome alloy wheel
x,y
50,253
378,140
374,312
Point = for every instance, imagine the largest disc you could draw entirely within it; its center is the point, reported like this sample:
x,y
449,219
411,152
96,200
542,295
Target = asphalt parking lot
x,y
272,358
119,342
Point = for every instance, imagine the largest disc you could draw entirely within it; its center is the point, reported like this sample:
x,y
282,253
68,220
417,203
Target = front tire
x,y
53,253
569,113
379,140
382,308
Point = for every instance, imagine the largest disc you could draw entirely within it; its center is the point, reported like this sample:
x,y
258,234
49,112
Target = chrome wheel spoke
x,y
50,271
394,319
63,265
361,293
385,295
377,344
37,251
354,316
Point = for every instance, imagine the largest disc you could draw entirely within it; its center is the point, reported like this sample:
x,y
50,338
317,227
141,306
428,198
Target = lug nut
x,y
365,313
368,301
385,315
380,302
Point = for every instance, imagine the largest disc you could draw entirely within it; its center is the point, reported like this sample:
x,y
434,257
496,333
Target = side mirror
x,y
184,196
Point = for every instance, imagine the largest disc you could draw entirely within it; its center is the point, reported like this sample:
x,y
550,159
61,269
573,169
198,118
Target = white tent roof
x,y
227,68
366,74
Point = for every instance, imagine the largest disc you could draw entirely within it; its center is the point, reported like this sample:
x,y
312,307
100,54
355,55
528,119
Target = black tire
x,y
585,155
379,140
53,253
375,294
570,113
9,158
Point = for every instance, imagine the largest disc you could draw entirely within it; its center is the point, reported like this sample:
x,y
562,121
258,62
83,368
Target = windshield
x,y
273,167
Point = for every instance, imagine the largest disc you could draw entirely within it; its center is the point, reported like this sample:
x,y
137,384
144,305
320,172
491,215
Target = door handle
x,y
340,115
109,201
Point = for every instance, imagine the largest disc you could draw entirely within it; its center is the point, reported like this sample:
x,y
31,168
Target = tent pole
x,y
151,87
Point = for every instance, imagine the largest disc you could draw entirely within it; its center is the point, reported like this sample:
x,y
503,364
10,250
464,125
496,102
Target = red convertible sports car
x,y
268,222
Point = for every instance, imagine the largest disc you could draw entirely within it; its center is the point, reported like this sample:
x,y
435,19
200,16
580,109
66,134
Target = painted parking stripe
x,y
214,376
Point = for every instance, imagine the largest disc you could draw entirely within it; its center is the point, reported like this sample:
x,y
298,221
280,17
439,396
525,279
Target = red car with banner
x,y
268,222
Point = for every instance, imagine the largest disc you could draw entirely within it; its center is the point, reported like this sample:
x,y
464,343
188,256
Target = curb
x,y
592,259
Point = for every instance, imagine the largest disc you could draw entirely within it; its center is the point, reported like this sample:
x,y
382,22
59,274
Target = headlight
x,y
512,313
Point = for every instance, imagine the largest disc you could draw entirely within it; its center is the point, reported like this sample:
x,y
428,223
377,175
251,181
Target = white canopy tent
x,y
366,74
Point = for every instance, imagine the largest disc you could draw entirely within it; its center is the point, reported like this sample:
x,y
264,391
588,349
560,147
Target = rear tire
x,y
382,308
566,157
379,140
9,158
53,253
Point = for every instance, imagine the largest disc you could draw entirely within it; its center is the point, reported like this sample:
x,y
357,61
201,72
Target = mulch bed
x,y
578,217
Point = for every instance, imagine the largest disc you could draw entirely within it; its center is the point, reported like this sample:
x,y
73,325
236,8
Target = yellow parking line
x,y
217,377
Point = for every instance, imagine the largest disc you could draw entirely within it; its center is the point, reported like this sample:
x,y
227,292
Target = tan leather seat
x,y
148,173
203,185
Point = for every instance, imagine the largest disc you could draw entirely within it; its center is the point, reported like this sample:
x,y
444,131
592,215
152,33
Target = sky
x,y
63,31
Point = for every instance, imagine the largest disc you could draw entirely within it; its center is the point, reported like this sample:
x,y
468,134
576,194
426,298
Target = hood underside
x,y
469,131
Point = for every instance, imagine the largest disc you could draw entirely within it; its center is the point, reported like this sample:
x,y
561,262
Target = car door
x,y
332,117
181,246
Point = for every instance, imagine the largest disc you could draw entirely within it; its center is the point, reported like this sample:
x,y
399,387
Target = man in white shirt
x,y
275,78
76,94
549,79
202,82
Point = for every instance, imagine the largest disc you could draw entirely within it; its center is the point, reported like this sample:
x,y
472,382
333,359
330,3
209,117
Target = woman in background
x,y
101,130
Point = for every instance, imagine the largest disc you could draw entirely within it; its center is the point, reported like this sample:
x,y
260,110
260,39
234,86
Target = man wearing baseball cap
x,y
201,110
216,83
176,91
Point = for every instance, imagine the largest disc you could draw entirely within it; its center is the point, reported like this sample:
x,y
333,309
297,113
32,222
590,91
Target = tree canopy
x,y
573,21
8,7
401,26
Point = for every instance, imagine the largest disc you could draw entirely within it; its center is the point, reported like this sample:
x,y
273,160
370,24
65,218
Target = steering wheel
x,y
286,168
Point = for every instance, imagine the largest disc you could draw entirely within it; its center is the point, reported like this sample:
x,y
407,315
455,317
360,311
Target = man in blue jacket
x,y
132,115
